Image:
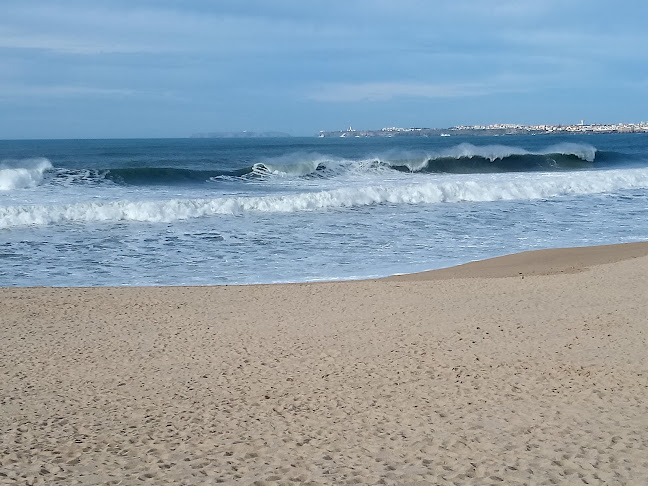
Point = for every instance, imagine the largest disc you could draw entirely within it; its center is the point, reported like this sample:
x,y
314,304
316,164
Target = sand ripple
x,y
541,380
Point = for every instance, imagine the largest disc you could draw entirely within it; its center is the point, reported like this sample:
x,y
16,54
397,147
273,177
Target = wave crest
x,y
24,173
462,159
469,158
584,152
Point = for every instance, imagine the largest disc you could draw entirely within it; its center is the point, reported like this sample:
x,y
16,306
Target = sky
x,y
169,68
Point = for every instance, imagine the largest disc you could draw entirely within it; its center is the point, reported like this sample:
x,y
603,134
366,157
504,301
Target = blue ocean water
x,y
242,211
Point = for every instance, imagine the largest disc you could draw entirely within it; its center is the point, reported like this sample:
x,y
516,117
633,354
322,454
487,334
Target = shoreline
x,y
429,378
546,261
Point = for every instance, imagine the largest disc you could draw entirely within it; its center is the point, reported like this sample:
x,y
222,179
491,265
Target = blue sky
x,y
163,68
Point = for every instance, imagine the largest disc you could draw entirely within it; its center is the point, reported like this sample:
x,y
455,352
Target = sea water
x,y
242,211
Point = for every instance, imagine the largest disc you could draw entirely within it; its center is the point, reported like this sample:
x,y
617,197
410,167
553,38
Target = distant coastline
x,y
490,130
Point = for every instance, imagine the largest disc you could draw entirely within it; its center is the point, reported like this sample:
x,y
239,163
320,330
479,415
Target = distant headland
x,y
494,129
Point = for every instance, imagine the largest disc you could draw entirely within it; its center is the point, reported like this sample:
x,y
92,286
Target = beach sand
x,y
526,369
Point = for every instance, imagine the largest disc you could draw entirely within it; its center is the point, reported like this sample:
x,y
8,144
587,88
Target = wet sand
x,y
525,369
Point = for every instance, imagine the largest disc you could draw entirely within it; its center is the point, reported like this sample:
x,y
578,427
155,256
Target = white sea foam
x,y
297,164
583,151
468,150
20,174
303,164
439,190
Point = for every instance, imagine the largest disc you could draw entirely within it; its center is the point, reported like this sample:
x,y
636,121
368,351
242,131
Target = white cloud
x,y
502,9
62,91
96,30
582,43
382,91
67,44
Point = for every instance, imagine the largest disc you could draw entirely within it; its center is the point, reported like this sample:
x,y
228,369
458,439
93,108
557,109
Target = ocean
x,y
245,211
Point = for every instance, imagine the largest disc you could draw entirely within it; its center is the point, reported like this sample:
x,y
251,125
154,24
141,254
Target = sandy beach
x,y
526,369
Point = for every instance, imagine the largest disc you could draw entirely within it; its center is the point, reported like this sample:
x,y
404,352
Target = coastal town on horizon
x,y
492,129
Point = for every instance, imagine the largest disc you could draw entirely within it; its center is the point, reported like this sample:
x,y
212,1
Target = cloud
x,y
62,91
502,9
68,44
383,91
127,29
580,44
267,61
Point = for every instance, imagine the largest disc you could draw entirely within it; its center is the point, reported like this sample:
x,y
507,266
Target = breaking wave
x,y
468,158
21,174
488,188
464,158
